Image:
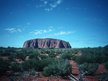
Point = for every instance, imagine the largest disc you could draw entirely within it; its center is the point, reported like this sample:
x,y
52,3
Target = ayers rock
x,y
46,43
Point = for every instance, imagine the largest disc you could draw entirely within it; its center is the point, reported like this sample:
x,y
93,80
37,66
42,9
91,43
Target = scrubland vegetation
x,y
21,62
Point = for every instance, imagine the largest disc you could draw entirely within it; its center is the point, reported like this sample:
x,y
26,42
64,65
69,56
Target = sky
x,y
83,23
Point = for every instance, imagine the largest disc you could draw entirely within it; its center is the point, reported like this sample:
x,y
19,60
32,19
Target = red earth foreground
x,y
75,72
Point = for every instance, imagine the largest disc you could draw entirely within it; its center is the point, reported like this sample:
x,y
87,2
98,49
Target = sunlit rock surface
x,y
46,43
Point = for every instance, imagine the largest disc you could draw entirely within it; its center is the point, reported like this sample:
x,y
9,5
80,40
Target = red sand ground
x,y
75,71
101,69
90,78
4,78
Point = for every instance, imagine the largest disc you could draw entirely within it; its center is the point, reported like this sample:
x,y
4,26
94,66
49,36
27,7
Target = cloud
x,y
13,30
58,2
64,33
78,8
48,9
45,2
38,32
28,23
50,31
49,5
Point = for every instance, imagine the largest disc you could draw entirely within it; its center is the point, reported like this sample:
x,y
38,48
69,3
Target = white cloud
x,y
45,2
63,33
28,23
13,30
49,5
59,1
55,4
38,32
50,31
48,9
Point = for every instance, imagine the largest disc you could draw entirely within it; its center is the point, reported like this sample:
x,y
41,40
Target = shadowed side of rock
x,y
46,43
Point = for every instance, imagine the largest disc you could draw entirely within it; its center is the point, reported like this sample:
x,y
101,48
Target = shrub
x,y
93,55
16,67
67,55
52,53
80,59
60,67
34,55
31,72
21,56
38,65
103,77
106,65
30,64
43,63
90,68
43,56
4,66
88,58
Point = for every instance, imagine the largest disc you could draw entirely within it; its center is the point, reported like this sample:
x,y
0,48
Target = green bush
x,y
80,59
16,67
32,72
43,56
34,55
30,64
45,62
38,65
88,58
67,55
89,68
52,53
59,68
21,55
4,66
7,51
103,77
93,55
106,65
28,73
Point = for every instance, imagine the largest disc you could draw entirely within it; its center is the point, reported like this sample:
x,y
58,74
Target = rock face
x,y
46,43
